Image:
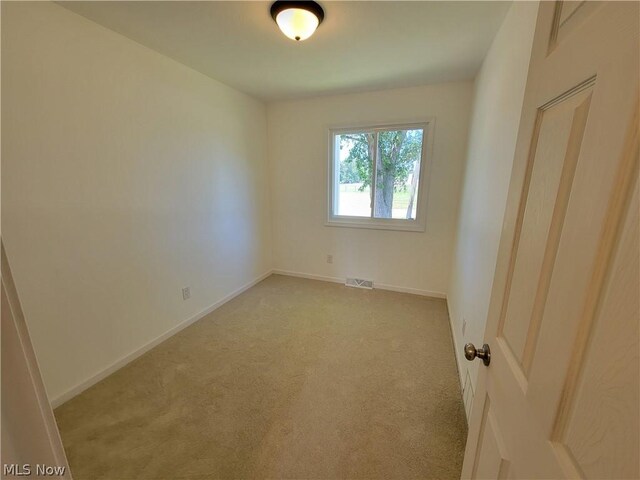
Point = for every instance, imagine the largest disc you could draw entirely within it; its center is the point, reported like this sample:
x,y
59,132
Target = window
x,y
377,178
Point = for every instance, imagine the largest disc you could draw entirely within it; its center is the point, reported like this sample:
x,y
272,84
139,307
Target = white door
x,y
30,435
560,398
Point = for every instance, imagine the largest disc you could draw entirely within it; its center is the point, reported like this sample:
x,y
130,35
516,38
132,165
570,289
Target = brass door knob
x,y
471,352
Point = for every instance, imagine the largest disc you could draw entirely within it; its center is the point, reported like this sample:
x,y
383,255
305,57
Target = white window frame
x,y
401,224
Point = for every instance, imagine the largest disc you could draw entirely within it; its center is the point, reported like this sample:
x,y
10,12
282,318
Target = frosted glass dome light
x,y
297,20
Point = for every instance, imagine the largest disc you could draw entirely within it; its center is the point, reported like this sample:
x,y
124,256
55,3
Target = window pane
x,y
354,154
398,173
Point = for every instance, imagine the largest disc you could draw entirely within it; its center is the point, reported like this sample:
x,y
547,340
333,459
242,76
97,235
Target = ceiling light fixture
x,y
297,20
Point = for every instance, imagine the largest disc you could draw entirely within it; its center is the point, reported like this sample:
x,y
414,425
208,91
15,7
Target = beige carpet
x,y
292,379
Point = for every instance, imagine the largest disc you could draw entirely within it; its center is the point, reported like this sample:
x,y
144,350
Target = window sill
x,y
376,224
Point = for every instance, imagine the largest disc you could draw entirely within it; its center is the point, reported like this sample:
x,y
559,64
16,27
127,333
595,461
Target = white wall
x,y
499,91
298,139
126,176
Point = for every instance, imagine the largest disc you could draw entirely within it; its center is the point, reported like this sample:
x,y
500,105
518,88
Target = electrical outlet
x,y
186,293
464,326
329,258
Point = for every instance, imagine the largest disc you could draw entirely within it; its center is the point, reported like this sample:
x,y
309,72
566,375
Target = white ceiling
x,y
360,45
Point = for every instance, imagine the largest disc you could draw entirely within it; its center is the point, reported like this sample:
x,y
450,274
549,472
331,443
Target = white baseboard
x,y
309,276
82,386
381,286
69,394
457,345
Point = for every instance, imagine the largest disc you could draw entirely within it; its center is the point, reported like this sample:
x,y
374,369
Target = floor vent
x,y
359,283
